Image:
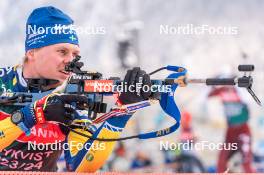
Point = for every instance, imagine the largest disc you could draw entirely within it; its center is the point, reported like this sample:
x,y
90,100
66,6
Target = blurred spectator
x,y
141,160
186,127
119,162
238,131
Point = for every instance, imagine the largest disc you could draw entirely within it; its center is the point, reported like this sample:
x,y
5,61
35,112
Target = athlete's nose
x,y
68,59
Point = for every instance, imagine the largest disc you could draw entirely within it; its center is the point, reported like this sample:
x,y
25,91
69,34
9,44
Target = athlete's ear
x,y
30,54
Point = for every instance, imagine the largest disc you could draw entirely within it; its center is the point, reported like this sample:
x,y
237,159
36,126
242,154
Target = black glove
x,y
56,108
59,108
132,77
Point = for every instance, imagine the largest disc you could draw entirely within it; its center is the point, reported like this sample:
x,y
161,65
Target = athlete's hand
x,y
132,78
57,108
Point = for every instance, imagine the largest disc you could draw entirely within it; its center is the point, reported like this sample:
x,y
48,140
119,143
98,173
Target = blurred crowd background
x,y
126,33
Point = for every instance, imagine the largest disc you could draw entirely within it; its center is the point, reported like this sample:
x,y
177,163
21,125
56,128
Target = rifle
x,y
95,88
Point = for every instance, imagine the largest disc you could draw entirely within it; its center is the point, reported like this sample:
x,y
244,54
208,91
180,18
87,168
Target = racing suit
x,y
42,148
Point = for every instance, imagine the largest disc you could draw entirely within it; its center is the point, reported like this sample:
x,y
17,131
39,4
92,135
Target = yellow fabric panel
x,y
98,152
9,132
78,139
14,81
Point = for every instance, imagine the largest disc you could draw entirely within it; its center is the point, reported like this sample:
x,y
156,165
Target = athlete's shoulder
x,y
7,78
7,71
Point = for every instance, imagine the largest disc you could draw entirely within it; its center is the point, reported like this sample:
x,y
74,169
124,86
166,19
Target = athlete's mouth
x,y
64,72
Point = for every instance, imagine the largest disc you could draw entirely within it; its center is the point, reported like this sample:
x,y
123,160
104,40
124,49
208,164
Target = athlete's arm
x,y
9,132
86,155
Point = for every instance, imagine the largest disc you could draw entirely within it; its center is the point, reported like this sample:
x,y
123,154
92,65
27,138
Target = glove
x,y
133,77
57,108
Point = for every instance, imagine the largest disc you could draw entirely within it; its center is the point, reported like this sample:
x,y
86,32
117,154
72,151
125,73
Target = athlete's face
x,y
49,62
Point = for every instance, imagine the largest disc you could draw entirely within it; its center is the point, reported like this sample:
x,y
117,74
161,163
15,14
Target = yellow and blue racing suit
x,y
41,150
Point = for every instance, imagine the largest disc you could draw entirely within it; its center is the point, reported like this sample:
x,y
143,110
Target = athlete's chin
x,y
62,78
